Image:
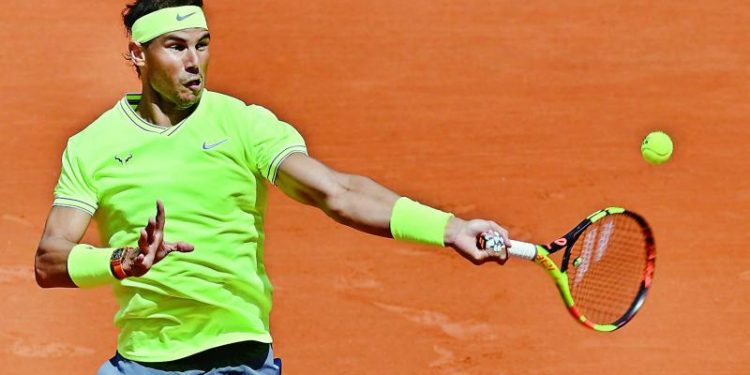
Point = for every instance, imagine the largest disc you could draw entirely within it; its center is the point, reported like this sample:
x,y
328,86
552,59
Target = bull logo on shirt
x,y
123,159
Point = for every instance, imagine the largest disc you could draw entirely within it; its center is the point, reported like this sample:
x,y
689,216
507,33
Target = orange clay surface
x,y
530,113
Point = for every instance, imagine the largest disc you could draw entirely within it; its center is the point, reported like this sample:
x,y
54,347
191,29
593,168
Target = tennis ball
x,y
657,148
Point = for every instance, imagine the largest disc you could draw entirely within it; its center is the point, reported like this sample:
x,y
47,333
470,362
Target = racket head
x,y
607,267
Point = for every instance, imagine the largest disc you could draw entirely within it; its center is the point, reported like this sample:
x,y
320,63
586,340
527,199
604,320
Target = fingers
x,y
150,229
184,246
502,231
474,256
157,235
143,243
143,239
151,245
159,215
479,257
157,240
148,244
155,231
493,248
179,246
492,243
141,265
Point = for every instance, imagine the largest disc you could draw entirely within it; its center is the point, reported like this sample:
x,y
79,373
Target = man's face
x,y
176,65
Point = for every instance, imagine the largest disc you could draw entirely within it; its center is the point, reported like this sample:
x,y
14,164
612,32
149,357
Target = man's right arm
x,y
64,229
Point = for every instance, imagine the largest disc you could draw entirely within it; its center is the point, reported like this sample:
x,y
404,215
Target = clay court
x,y
529,113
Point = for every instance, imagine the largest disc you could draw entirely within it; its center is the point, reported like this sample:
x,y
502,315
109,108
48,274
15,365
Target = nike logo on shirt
x,y
208,146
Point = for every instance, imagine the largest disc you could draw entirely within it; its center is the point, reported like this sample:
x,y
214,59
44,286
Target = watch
x,y
115,263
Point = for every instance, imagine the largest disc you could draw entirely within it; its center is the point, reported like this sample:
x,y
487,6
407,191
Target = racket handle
x,y
523,250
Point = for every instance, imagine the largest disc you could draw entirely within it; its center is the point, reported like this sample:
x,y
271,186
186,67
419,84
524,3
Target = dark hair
x,y
140,8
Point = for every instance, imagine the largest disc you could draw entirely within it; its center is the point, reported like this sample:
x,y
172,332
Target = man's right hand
x,y
151,246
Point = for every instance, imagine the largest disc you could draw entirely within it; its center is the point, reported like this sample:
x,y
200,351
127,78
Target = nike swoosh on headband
x,y
182,18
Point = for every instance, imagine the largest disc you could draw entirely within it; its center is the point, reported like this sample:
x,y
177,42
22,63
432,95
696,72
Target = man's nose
x,y
192,60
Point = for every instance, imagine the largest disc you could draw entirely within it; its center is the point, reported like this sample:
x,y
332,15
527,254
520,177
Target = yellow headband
x,y
168,20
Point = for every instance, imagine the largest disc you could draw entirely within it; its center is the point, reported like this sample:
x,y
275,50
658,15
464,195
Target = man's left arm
x,y
363,204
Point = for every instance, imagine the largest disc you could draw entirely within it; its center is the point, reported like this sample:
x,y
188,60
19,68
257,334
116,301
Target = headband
x,y
167,20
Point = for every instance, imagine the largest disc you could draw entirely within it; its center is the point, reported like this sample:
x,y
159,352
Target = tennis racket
x,y
606,270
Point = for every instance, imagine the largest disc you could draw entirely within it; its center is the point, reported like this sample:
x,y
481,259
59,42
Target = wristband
x,y
89,266
415,222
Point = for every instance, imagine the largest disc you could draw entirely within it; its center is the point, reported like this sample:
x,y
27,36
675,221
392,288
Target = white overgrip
x,y
522,250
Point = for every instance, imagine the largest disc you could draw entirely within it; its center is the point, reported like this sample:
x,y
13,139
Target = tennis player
x,y
175,177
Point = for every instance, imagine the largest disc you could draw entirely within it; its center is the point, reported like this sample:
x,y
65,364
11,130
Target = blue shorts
x,y
245,358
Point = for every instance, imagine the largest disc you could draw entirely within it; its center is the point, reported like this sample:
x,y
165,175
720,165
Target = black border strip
x,y
276,172
93,207
282,155
125,108
72,206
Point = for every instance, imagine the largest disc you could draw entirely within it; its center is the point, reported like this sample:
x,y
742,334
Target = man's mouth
x,y
194,84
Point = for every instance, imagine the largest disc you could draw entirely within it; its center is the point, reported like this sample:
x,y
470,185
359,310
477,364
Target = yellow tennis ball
x,y
657,148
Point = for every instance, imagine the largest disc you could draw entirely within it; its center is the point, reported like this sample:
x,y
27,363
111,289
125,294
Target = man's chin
x,y
190,99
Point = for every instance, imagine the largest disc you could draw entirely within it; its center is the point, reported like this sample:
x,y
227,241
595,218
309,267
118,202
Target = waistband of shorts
x,y
251,353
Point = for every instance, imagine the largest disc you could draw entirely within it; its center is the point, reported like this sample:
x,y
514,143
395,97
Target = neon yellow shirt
x,y
208,170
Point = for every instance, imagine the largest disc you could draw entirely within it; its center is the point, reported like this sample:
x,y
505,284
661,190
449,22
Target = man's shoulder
x,y
102,124
220,101
223,102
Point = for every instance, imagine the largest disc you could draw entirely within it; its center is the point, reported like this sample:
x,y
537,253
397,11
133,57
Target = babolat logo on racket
x,y
560,242
545,262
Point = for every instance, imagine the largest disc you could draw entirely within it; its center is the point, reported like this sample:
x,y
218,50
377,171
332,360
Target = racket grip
x,y
523,250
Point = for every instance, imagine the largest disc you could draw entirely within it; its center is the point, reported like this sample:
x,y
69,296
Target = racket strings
x,y
607,265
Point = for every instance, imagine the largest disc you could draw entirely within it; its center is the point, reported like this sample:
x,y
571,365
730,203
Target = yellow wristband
x,y
89,266
415,222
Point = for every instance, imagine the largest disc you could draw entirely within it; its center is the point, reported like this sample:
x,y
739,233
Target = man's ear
x,y
137,54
